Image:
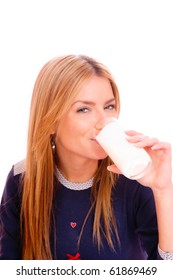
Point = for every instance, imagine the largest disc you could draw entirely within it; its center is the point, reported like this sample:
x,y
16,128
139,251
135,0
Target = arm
x,y
164,209
159,179
10,244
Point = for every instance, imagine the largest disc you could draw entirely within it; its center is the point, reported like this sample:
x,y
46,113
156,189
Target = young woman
x,y
62,202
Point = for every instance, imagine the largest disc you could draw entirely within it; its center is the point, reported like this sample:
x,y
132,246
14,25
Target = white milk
x,y
131,161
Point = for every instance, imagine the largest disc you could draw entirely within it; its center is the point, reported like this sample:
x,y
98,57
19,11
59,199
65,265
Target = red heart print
x,y
73,224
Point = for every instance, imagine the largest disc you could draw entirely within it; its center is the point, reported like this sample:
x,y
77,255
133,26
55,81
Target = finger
x,y
113,168
147,142
132,132
161,145
136,138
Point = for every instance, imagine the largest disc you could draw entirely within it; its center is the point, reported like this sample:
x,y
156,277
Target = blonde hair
x,y
56,86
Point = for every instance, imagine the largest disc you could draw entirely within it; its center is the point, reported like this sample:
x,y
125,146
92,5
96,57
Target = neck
x,y
78,172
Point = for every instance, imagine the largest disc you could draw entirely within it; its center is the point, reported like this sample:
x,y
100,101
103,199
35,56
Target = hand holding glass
x,y
130,160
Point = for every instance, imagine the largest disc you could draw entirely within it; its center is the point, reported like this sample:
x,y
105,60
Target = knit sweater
x,y
133,206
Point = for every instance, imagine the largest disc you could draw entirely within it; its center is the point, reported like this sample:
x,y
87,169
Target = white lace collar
x,y
74,186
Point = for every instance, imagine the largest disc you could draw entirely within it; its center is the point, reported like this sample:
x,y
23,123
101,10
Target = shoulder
x,y
16,172
14,181
19,168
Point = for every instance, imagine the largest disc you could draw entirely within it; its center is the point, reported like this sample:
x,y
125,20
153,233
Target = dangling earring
x,y
52,141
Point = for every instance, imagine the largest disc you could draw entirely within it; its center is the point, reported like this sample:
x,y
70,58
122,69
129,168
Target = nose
x,y
102,122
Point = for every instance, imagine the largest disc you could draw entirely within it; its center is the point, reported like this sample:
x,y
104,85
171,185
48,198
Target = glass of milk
x,y
131,160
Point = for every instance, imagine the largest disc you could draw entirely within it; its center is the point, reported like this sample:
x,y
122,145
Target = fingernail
x,y
155,147
128,137
137,145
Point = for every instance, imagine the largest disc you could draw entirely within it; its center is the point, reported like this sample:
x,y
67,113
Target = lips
x,y
94,140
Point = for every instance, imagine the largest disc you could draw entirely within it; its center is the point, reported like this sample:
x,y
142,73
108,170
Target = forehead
x,y
94,88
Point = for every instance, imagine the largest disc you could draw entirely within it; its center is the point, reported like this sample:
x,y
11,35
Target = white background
x,y
133,38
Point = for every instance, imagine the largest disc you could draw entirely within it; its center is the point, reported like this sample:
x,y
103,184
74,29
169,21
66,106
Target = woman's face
x,y
76,132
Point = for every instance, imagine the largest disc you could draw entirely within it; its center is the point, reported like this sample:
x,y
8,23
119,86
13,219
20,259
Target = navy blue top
x,y
134,209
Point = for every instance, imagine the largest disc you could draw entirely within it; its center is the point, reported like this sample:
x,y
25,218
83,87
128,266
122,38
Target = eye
x,y
83,110
110,107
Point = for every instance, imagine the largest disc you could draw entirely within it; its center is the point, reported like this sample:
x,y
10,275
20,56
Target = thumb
x,y
113,168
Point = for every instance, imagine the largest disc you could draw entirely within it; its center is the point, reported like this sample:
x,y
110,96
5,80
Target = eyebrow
x,y
91,102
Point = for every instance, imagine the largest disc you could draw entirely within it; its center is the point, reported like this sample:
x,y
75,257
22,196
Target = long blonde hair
x,y
57,84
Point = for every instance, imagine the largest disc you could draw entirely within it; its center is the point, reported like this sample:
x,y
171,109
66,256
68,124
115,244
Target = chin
x,y
102,156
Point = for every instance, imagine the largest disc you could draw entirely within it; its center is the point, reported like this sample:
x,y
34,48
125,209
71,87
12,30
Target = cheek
x,y
69,132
